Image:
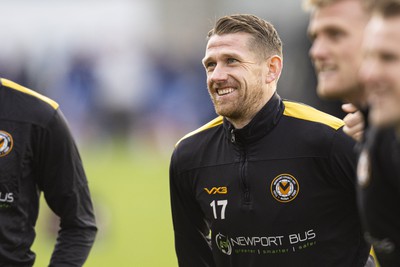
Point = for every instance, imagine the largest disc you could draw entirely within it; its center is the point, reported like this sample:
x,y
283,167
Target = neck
x,y
245,118
241,121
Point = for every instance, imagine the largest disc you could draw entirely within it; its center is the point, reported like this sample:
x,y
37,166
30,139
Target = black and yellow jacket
x,y
378,193
280,192
38,154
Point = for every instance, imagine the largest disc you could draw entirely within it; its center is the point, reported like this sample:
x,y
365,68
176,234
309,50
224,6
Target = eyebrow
x,y
232,54
205,60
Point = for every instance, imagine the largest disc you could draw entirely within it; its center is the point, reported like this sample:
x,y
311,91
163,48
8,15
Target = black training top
x,y
279,192
37,153
379,189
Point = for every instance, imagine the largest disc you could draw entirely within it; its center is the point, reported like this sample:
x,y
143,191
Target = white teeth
x,y
327,68
224,91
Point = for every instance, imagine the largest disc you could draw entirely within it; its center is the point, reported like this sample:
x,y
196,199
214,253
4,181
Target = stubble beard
x,y
242,109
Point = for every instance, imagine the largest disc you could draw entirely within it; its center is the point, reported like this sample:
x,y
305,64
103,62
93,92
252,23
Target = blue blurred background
x,y
129,79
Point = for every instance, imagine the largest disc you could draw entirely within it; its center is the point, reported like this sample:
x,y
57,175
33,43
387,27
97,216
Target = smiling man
x,y
336,30
381,66
239,106
379,170
269,182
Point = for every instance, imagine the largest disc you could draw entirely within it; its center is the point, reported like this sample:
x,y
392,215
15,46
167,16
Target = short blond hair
x,y
311,5
315,4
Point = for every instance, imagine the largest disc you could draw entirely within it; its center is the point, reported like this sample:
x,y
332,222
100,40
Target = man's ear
x,y
275,65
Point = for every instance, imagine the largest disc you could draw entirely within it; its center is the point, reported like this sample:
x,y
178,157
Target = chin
x,y
221,112
327,93
334,92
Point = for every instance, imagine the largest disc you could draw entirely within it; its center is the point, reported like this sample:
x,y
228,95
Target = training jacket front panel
x,y
38,154
378,191
279,192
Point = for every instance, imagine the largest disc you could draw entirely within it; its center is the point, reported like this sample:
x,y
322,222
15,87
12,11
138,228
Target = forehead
x,y
344,14
383,33
228,42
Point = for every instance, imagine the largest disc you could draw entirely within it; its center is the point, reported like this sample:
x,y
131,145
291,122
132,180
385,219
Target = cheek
x,y
209,83
396,94
393,73
352,60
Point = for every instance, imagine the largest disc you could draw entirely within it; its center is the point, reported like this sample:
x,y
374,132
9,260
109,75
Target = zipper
x,y
243,171
233,137
243,179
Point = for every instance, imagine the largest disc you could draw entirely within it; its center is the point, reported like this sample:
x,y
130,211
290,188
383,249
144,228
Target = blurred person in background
x,y
379,168
381,65
38,154
270,181
336,30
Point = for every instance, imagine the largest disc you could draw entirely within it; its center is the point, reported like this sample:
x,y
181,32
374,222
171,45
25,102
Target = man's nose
x,y
318,49
218,74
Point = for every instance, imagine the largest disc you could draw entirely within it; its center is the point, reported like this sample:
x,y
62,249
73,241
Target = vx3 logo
x,y
217,190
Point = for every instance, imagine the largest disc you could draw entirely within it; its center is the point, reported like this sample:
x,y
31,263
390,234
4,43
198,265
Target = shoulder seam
x,y
215,122
305,112
15,86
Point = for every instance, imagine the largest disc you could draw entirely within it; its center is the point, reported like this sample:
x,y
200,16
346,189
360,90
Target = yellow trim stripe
x,y
25,90
215,122
372,253
292,109
304,112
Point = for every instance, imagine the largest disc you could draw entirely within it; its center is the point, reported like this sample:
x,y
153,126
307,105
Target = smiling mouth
x,y
326,69
224,91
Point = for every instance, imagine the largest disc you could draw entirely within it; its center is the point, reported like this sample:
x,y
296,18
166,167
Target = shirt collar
x,y
264,121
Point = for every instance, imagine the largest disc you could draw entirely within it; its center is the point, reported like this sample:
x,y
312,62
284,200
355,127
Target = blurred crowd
x,y
132,69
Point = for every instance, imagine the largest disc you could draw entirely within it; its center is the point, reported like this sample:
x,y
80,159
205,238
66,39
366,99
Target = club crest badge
x,y
284,188
6,143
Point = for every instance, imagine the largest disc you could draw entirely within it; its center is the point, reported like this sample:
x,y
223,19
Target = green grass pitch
x,y
130,192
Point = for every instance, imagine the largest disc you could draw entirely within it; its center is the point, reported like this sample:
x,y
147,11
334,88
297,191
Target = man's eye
x,y
231,60
311,36
210,65
335,34
388,57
